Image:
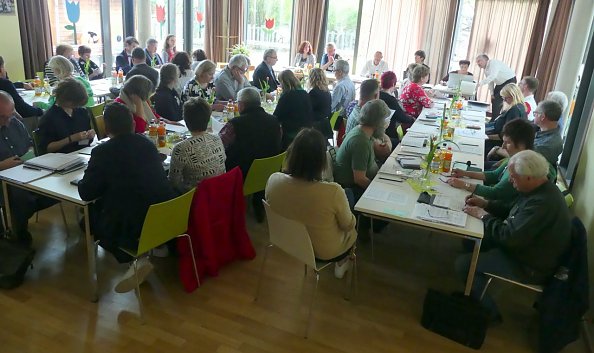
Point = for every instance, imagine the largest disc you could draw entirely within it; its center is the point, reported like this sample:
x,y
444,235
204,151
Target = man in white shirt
x,y
497,75
528,86
377,65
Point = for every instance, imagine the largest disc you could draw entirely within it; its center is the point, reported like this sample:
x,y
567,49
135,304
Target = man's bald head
x,y
6,108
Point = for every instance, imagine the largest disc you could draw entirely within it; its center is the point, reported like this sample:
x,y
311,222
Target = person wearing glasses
x,y
264,73
232,78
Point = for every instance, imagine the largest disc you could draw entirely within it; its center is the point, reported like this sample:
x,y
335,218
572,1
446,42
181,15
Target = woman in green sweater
x,y
518,135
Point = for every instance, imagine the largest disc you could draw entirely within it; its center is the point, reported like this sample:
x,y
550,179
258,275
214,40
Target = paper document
x,y
22,175
470,148
386,193
180,129
472,133
55,161
424,129
440,215
449,202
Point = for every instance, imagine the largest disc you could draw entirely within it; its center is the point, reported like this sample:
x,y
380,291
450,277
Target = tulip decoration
x,y
160,13
73,13
199,19
269,25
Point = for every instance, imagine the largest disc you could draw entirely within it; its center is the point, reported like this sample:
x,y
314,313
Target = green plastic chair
x,y
163,222
96,109
260,171
36,147
334,118
400,132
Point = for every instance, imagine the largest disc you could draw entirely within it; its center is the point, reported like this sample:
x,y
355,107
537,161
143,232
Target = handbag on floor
x,y
456,316
15,259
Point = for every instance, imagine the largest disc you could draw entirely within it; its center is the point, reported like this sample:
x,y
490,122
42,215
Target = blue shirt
x,y
14,139
343,94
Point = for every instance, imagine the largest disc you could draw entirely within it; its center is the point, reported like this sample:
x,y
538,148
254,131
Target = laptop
x,y
455,79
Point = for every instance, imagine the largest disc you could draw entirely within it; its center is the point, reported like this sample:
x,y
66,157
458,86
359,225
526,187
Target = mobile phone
x,y
75,182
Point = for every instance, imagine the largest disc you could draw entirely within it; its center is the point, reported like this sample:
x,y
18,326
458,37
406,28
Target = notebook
x,y
439,215
56,161
23,175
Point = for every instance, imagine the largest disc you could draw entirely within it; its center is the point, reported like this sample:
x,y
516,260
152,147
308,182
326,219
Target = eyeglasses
x,y
242,69
273,57
536,112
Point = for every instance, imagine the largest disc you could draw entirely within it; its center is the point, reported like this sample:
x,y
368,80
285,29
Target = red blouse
x,y
414,98
140,125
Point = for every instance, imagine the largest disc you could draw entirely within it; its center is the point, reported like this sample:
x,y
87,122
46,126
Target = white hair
x,y
249,96
342,65
558,97
61,67
238,60
268,53
529,163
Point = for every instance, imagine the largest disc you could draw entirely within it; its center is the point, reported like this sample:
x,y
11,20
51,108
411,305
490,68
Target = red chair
x,y
217,228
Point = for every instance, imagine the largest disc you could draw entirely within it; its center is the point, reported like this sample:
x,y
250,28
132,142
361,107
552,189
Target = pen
x,y
468,144
30,167
396,180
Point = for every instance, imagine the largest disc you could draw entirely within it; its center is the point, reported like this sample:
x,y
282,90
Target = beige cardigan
x,y
321,206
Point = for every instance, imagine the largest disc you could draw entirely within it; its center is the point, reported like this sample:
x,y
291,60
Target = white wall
x,y
10,46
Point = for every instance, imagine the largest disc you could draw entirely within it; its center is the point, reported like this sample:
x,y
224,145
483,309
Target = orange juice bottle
x,y
447,160
38,86
153,135
161,133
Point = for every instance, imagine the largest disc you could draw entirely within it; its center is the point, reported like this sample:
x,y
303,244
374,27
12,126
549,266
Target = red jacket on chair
x,y
216,227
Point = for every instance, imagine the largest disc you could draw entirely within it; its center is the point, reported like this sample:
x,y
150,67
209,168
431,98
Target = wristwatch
x,y
467,186
483,217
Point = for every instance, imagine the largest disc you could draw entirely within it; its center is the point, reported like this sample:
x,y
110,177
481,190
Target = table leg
x,y
92,262
7,205
472,269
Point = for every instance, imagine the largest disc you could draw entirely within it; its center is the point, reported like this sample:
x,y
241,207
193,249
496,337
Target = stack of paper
x,y
439,215
22,175
55,161
180,129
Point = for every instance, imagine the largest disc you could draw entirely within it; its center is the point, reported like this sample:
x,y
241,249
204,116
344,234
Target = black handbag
x,y
14,262
457,317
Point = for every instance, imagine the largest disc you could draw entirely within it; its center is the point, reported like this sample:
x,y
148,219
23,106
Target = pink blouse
x,y
414,98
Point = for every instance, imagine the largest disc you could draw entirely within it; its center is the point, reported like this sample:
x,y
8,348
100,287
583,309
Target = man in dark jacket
x,y
254,134
265,73
24,109
524,242
141,68
124,59
126,175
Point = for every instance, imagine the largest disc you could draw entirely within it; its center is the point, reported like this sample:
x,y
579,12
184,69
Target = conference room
x,y
294,175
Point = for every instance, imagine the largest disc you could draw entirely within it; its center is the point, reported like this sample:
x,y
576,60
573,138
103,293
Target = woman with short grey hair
x,y
64,69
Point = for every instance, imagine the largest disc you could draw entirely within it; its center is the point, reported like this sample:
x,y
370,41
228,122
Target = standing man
x,y
153,59
497,75
528,86
265,73
330,57
420,60
124,59
375,66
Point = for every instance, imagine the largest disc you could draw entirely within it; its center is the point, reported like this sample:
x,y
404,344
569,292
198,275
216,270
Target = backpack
x,y
15,259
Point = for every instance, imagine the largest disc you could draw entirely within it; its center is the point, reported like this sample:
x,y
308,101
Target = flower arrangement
x,y
239,48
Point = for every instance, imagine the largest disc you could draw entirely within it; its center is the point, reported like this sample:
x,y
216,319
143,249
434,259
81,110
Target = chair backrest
x,y
259,172
400,132
334,118
97,109
36,147
165,221
290,236
328,172
99,126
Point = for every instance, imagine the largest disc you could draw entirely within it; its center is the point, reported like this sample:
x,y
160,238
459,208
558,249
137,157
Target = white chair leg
x,y
311,303
64,219
486,287
350,283
193,258
141,309
371,236
261,272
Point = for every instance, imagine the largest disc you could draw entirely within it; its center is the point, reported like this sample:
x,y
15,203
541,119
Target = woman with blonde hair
x,y
293,110
64,69
304,55
321,101
169,49
513,108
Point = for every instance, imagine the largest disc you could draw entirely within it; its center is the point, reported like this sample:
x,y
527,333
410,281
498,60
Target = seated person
x,y
321,102
124,59
168,104
524,241
66,126
264,73
420,60
182,60
202,155
355,164
135,95
560,98
63,69
388,94
464,64
413,96
304,55
253,134
513,108
407,75
169,48
299,194
22,108
344,89
518,135
375,66
368,91
125,187
141,68
330,57
66,51
16,143
293,110
528,86
232,78
153,59
547,140
90,70
201,85
198,56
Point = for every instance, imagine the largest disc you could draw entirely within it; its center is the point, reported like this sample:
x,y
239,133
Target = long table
x,y
100,91
401,197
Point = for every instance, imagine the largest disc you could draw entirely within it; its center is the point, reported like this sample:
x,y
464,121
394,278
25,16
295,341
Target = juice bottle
x,y
114,78
38,86
230,110
153,134
120,76
447,160
236,110
435,165
161,133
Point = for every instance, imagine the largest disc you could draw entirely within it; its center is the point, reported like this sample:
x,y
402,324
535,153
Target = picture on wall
x,y
6,7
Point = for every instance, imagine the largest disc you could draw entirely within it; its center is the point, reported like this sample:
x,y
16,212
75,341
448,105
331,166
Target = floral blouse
x,y
193,89
414,98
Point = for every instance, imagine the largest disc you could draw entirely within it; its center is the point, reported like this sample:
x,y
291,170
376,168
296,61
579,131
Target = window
x,y
116,28
159,23
77,23
179,24
462,33
342,27
268,25
198,18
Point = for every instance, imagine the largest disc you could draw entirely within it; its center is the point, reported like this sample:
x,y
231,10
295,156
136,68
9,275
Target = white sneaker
x,y
160,251
340,270
128,281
